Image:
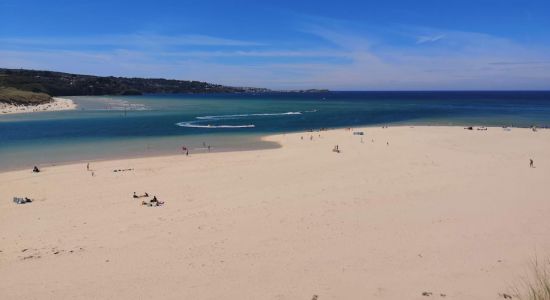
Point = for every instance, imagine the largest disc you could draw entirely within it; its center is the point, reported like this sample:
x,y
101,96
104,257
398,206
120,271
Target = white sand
x,y
441,210
56,105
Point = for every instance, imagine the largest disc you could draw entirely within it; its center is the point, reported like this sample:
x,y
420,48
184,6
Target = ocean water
x,y
125,126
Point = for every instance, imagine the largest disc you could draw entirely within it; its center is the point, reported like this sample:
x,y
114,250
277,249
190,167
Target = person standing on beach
x,y
531,163
88,167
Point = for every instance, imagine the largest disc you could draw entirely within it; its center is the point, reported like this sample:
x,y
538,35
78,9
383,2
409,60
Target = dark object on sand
x,y
140,196
36,169
19,200
153,202
469,128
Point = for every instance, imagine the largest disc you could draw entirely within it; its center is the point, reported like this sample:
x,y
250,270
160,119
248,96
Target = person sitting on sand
x,y
35,169
135,196
24,200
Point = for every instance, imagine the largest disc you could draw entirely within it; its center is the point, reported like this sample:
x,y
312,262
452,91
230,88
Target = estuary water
x,y
105,127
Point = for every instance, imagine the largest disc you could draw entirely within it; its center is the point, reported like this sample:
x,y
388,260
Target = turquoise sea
x,y
106,127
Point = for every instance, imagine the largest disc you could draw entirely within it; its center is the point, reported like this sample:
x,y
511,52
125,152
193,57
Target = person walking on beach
x,y
531,163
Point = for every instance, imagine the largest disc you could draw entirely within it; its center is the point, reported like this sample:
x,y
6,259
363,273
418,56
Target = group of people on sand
x,y
150,203
185,150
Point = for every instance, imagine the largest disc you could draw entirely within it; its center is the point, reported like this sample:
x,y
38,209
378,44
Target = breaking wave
x,y
225,117
198,123
193,125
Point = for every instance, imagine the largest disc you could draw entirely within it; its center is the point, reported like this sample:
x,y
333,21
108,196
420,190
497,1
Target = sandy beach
x,y
57,105
400,211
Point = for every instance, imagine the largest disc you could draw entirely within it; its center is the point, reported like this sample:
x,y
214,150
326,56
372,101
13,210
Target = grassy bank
x,y
19,97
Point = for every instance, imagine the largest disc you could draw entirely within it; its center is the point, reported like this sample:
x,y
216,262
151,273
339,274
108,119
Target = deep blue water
x,y
115,126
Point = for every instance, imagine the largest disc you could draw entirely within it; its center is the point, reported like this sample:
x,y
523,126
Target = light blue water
x,y
122,126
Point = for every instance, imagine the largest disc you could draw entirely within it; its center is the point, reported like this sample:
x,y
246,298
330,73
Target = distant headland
x,y
33,87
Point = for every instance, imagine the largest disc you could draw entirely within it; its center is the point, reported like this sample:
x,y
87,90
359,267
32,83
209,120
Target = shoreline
x,y
269,145
262,138
397,213
58,104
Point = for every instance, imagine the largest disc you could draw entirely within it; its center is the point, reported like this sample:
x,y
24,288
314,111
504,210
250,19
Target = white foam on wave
x,y
248,115
194,124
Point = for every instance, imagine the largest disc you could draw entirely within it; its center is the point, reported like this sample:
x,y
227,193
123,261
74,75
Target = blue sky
x,y
340,45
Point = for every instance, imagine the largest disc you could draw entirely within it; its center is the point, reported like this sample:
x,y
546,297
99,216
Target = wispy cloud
x,y
127,40
430,39
332,54
519,63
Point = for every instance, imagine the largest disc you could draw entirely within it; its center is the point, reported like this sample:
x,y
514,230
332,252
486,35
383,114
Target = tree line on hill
x,y
20,86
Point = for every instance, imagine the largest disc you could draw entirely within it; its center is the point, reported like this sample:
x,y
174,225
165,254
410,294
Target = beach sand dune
x,y
57,104
440,210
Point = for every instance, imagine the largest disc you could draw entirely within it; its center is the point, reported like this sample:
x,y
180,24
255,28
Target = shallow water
x,y
122,126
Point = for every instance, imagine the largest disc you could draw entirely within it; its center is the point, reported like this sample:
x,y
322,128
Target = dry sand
x,y
440,209
56,105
